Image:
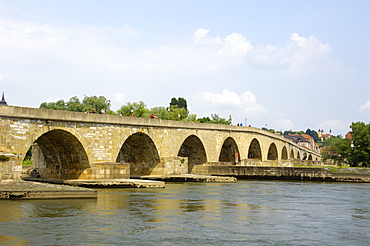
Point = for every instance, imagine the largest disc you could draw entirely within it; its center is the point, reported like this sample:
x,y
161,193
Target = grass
x,y
27,162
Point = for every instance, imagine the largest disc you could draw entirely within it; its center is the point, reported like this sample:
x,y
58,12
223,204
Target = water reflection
x,y
245,213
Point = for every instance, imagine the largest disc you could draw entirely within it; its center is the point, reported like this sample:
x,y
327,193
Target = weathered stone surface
x,y
73,144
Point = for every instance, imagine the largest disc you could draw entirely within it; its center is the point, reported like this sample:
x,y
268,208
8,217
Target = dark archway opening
x,y
284,154
193,149
254,151
139,150
229,151
60,155
272,153
292,154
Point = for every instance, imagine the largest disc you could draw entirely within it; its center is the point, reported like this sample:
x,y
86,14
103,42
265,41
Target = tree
x,y
360,153
215,119
88,104
137,109
177,113
355,152
58,105
336,149
180,103
95,103
313,134
161,112
74,104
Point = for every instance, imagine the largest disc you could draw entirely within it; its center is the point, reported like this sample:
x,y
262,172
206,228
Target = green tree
x,y
58,105
215,119
95,104
161,112
313,134
360,153
177,113
74,104
337,149
180,103
137,109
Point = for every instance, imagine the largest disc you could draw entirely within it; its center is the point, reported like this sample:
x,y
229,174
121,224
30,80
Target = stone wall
x,y
9,170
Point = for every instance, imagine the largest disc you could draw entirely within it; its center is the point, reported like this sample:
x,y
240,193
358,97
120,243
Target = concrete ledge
x,y
119,183
36,190
103,183
191,178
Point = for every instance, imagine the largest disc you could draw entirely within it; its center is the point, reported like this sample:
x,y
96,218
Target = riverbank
x,y
35,190
288,173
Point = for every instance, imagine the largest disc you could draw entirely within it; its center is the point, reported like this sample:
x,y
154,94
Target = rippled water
x,y
243,213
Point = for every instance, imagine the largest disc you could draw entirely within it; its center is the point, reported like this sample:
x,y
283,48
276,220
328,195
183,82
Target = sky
x,y
284,65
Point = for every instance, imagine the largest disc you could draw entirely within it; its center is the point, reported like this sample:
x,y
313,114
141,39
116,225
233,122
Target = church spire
x,y
3,102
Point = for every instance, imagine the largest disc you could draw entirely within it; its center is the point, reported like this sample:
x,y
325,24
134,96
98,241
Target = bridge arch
x,y
229,151
310,157
272,153
284,153
298,155
140,151
62,154
254,150
194,150
291,154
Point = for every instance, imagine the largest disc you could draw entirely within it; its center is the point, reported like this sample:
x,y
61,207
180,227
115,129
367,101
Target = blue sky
x,y
285,64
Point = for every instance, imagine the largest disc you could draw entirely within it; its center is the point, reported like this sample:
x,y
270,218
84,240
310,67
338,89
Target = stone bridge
x,y
74,145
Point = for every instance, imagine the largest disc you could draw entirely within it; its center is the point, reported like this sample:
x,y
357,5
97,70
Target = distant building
x,y
3,102
349,135
303,140
322,135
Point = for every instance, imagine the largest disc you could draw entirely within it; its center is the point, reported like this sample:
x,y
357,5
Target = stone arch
x,y
193,149
140,151
298,155
310,157
254,151
229,151
272,153
291,154
62,155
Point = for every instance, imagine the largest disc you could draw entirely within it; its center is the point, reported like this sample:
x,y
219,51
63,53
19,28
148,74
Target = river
x,y
243,213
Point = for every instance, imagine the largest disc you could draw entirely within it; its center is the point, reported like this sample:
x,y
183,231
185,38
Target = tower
x,y
3,102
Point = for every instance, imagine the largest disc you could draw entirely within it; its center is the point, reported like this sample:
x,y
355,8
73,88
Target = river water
x,y
243,213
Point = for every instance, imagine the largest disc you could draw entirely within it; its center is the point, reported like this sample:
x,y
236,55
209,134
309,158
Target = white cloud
x,y
283,124
229,103
365,109
336,126
118,100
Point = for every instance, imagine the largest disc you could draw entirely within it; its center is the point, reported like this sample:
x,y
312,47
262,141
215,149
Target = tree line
x,y
177,109
354,151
